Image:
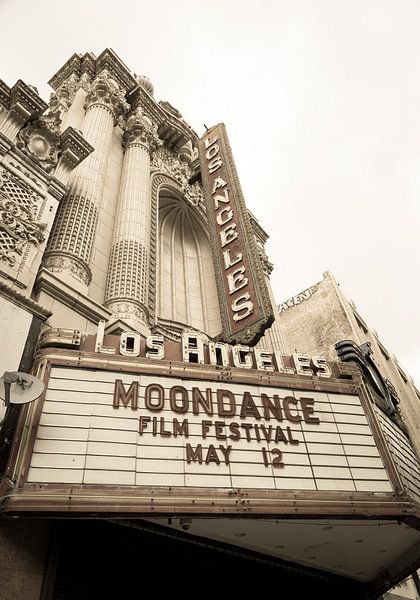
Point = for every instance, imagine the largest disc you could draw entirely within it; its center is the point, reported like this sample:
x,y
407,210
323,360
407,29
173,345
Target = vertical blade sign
x,y
244,300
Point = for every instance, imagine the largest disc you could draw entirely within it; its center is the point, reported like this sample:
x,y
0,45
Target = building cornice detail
x,y
4,94
25,103
83,305
22,301
172,129
74,148
80,69
109,62
22,104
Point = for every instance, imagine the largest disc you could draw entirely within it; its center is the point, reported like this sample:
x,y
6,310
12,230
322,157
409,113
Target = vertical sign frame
x,y
244,300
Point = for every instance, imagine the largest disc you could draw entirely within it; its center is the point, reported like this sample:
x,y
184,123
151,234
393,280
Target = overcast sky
x,y
321,101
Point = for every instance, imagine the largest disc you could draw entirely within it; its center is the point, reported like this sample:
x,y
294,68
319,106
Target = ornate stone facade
x,y
18,225
134,207
105,188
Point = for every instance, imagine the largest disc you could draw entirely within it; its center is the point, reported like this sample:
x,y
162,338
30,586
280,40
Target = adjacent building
x,y
192,437
315,319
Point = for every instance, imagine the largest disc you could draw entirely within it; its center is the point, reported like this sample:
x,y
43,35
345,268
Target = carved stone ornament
x,y
167,162
139,129
61,100
266,264
59,263
104,91
18,228
128,310
40,140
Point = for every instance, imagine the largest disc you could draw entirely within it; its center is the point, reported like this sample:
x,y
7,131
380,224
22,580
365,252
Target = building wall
x,y
14,326
23,555
316,319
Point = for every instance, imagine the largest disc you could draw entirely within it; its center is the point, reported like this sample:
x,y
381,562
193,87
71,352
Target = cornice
x,y
110,62
174,131
71,66
74,147
4,94
23,99
24,302
5,144
87,65
80,303
93,66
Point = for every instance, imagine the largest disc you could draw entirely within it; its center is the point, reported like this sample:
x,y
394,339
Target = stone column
x,y
70,246
128,274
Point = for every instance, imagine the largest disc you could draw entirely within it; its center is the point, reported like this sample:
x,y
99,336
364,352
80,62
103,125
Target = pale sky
x,y
321,101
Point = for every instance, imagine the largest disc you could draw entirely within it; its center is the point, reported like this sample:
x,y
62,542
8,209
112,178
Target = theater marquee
x,y
243,296
114,428
124,413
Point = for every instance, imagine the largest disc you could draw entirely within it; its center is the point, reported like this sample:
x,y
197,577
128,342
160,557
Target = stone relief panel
x,y
178,167
266,264
59,263
60,101
21,233
128,310
39,140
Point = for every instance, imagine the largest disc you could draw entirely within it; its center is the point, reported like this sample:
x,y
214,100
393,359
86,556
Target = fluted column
x,y
71,241
128,274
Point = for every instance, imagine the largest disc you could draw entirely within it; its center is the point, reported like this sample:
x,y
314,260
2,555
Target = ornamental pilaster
x,y
71,242
127,283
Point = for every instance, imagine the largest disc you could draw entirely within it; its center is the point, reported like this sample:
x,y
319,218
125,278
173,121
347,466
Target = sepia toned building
x,y
190,437
315,319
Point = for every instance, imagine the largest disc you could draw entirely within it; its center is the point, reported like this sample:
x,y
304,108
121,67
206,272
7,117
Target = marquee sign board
x,y
143,425
108,427
243,296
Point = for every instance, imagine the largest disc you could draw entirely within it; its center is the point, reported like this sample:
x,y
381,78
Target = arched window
x,y
187,285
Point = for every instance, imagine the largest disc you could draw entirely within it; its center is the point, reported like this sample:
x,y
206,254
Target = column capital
x,y
140,130
105,92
